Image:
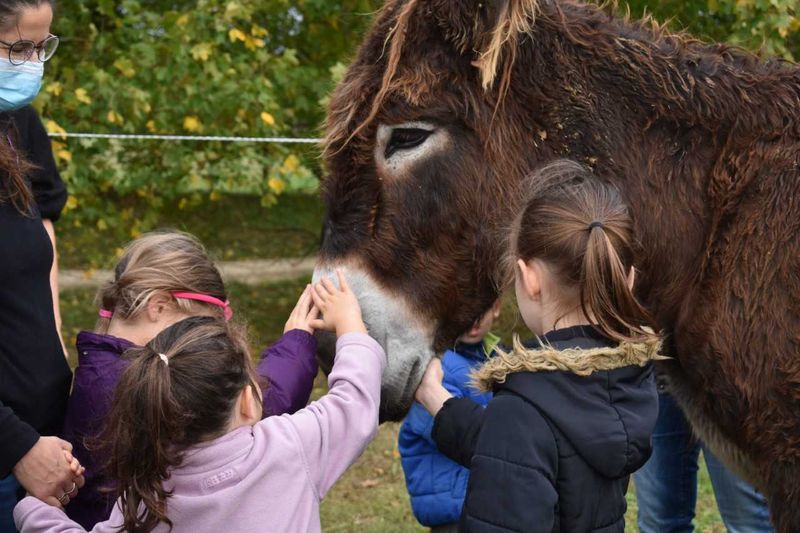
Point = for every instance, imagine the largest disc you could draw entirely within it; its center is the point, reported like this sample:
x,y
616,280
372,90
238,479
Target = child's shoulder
x,y
92,343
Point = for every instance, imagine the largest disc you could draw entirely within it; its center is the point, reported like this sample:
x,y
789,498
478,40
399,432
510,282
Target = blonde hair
x,y
161,262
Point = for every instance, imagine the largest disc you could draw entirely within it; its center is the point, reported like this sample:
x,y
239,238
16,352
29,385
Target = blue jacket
x,y
436,484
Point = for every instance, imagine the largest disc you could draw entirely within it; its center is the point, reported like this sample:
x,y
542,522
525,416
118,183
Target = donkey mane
x,y
683,78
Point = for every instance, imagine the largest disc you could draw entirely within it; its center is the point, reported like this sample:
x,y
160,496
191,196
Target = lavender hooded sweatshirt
x,y
289,366
267,477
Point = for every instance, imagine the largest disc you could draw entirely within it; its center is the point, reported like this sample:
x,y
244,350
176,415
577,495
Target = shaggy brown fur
x,y
702,139
581,362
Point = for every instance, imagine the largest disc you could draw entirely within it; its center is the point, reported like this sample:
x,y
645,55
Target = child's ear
x,y
156,305
530,278
249,405
498,305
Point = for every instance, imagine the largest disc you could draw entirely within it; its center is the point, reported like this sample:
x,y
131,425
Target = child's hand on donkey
x,y
303,313
339,307
431,393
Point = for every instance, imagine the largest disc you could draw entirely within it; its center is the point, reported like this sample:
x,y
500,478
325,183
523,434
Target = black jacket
x,y
554,449
34,376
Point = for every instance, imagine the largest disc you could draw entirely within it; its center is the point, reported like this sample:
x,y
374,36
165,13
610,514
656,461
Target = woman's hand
x,y
49,472
339,307
431,393
303,313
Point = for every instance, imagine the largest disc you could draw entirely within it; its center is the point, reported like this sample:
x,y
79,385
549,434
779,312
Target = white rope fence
x,y
194,138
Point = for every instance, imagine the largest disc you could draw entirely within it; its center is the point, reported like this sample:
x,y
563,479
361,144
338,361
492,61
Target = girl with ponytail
x,y
188,446
575,406
163,278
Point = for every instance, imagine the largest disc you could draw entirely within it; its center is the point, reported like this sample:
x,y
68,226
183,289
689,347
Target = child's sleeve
x,y
289,366
456,429
334,430
33,516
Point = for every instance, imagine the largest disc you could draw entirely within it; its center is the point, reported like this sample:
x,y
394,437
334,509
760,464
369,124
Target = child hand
x,y
339,307
431,393
74,464
303,313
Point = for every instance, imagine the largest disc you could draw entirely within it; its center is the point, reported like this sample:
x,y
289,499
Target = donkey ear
x,y
491,29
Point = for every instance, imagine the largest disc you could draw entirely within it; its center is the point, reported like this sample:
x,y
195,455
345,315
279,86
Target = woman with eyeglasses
x,y
34,375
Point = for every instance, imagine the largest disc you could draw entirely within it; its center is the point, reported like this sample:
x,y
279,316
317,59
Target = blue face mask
x,y
19,84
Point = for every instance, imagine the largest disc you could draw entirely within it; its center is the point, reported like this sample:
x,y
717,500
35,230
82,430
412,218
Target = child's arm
x,y
457,421
35,516
334,430
290,365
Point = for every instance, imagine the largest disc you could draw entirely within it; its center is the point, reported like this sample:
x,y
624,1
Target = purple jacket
x,y
267,477
288,366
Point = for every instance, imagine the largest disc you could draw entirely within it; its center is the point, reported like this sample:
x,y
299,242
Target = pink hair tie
x,y
226,306
105,313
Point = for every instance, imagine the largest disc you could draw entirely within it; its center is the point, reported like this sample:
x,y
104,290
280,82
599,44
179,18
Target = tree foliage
x,y
205,67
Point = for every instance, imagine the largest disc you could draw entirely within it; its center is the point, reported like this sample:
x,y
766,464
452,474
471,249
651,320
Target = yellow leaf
x,y
72,202
151,126
258,31
268,119
125,66
54,88
136,232
277,185
64,155
214,196
182,20
192,123
253,44
183,203
235,34
102,225
291,164
82,96
202,51
53,127
114,117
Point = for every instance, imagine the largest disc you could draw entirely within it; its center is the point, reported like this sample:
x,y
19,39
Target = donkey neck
x,y
624,98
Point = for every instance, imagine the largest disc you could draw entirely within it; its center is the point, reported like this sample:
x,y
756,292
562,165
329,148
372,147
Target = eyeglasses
x,y
20,52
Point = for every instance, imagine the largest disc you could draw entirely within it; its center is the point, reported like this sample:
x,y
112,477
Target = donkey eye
x,y
405,139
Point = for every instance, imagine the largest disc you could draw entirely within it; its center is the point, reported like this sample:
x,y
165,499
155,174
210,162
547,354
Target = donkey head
x,y
423,157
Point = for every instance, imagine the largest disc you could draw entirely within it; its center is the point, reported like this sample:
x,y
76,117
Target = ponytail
x,y
605,291
146,422
178,391
582,228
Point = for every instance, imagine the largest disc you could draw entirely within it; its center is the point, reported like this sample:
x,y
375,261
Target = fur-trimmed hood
x,y
545,357
596,394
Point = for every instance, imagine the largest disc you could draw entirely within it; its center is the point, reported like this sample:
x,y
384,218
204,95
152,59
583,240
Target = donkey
x,y
450,104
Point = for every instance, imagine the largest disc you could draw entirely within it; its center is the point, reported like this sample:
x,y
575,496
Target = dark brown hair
x,y
14,169
581,228
161,408
168,261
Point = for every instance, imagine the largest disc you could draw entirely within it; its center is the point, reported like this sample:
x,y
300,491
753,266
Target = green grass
x,y
371,496
233,227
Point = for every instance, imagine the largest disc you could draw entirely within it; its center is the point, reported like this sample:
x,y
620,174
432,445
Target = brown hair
x,y
161,408
161,262
15,169
581,228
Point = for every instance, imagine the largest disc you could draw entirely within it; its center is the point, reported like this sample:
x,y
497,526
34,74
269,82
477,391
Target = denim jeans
x,y
10,491
666,486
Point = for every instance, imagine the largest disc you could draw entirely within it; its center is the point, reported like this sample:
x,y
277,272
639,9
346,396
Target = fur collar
x,y
579,361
